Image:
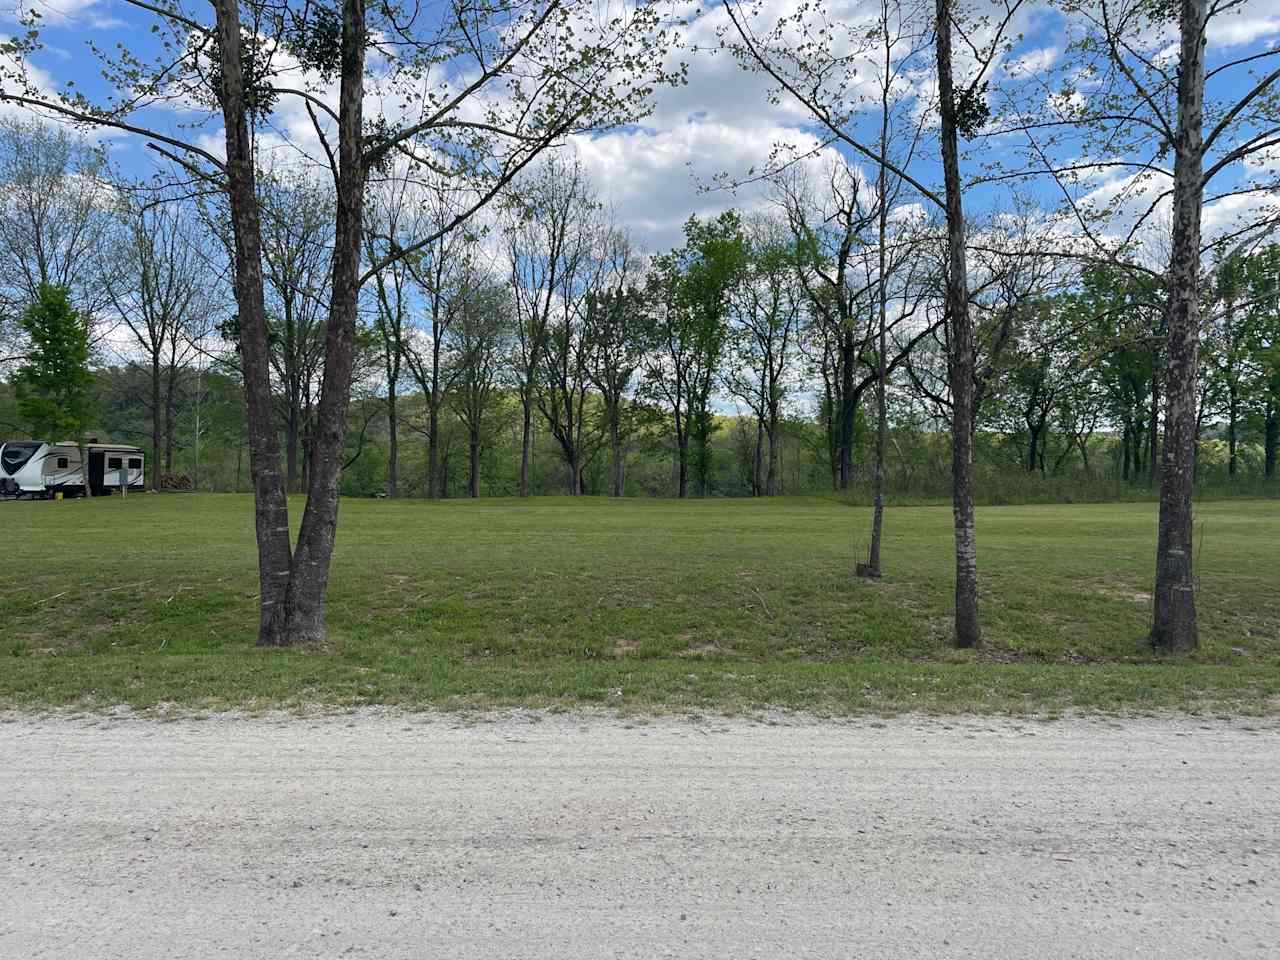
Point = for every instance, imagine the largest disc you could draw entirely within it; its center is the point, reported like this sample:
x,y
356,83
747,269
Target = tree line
x,y
551,328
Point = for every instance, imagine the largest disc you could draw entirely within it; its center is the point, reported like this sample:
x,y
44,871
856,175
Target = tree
x,y
565,384
559,70
688,292
1262,272
851,281
53,223
830,236
715,262
1040,372
766,309
1227,341
815,70
1125,104
160,295
549,222
1174,620
391,309
441,270
297,262
1122,312
615,320
895,30
1241,333
478,345
54,387
963,347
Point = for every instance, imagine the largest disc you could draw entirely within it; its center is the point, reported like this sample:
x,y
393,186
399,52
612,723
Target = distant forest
x,y
210,407
743,362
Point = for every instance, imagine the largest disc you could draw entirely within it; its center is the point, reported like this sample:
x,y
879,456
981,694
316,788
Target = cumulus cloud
x,y
654,179
1254,21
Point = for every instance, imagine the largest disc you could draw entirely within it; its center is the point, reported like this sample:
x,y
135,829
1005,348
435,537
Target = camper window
x,y
62,463
113,463
135,463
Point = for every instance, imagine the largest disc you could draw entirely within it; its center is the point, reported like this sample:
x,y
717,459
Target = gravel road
x,y
530,836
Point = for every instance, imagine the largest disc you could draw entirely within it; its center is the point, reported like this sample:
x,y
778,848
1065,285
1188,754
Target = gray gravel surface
x,y
574,836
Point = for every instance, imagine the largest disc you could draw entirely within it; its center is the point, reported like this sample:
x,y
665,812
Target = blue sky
x,y
656,173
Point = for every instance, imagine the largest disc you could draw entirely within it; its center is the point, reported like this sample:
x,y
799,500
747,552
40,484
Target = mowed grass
x,y
641,604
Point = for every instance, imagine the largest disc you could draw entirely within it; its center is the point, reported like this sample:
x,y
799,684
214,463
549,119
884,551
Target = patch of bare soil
x,y
624,645
1118,591
700,650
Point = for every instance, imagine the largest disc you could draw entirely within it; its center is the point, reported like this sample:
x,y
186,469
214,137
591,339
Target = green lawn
x,y
645,604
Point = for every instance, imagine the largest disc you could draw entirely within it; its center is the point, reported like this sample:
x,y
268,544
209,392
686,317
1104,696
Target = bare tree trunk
x,y
615,450
968,632
1174,622
1271,440
271,516
1124,441
155,426
1233,412
882,418
702,441
311,559
526,441
170,417
771,477
848,407
757,461
393,442
170,437
433,446
473,476
292,437
833,442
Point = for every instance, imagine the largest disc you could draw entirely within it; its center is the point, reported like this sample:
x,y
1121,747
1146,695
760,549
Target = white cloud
x,y
56,13
1253,22
655,179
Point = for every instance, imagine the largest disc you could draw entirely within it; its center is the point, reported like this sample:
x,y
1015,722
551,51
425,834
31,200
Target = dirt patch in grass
x,y
701,650
1118,591
624,646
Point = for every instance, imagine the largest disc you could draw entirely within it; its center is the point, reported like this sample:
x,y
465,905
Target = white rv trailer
x,y
37,468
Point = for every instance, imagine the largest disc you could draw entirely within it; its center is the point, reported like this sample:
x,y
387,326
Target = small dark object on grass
x,y
867,570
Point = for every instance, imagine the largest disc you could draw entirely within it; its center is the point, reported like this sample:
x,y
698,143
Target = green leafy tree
x,y
54,387
689,293
1262,277
718,254
1123,312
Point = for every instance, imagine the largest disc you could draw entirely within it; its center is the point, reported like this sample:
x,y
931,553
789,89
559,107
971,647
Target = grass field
x,y
645,604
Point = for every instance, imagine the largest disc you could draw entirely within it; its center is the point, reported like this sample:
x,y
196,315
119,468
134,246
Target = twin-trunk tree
x,y
566,69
